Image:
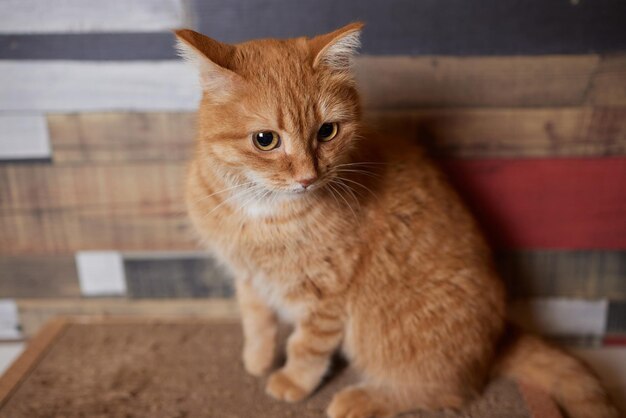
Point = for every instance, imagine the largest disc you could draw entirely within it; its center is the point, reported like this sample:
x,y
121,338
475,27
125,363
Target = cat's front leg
x,y
309,350
260,327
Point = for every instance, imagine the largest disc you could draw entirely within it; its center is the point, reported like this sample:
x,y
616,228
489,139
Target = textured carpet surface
x,y
181,370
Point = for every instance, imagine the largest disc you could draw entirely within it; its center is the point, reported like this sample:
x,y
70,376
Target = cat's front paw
x,y
257,360
354,402
282,387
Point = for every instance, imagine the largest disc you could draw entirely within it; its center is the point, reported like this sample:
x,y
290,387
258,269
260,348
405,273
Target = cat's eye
x,y
327,131
266,140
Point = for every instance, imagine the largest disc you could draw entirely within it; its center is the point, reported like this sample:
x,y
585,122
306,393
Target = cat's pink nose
x,y
307,182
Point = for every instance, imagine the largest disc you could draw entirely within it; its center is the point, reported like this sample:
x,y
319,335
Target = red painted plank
x,y
570,203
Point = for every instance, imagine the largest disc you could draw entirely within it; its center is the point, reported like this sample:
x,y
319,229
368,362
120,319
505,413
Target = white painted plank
x,y
24,137
68,86
47,16
9,320
9,351
101,273
562,317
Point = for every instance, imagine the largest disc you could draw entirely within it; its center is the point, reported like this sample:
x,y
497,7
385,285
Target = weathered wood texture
x,y
117,137
35,16
185,277
538,273
34,313
385,82
523,204
38,277
511,132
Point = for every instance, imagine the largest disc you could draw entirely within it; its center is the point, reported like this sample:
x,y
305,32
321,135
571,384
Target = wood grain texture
x,y
24,137
608,85
117,137
521,81
511,132
34,313
60,231
457,132
547,203
34,16
66,86
114,186
583,274
38,277
28,360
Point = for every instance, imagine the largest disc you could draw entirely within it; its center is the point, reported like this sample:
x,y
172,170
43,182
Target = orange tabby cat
x,y
353,236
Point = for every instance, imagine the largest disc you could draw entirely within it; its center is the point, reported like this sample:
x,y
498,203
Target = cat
x,y
351,235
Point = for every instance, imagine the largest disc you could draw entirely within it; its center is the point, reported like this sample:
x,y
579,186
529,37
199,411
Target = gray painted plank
x,y
66,86
24,137
455,27
616,323
41,16
187,277
89,46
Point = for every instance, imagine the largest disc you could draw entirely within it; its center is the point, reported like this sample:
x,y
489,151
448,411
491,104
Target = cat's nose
x,y
307,182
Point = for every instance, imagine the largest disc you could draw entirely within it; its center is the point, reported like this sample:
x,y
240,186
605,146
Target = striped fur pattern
x,y
378,258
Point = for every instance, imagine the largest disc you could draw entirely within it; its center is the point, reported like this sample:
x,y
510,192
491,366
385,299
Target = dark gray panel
x,y
457,27
616,322
193,277
91,46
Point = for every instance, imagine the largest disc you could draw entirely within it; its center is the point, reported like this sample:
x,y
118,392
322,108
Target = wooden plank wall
x,y
531,130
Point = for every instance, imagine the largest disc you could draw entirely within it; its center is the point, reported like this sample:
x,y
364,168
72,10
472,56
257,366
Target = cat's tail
x,y
567,380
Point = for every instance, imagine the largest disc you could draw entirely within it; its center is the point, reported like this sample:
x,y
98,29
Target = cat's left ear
x,y
337,49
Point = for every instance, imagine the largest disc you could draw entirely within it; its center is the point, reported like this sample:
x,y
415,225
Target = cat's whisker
x,y
234,196
344,199
345,188
360,185
364,172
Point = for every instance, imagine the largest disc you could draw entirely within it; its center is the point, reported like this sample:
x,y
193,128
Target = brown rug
x,y
134,368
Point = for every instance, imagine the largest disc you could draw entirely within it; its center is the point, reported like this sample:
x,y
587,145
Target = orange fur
x,y
379,257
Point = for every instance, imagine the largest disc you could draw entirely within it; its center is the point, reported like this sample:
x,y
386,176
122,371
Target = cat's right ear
x,y
212,60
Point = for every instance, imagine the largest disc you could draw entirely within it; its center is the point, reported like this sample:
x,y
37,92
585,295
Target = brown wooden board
x,y
38,277
475,132
407,82
118,137
608,85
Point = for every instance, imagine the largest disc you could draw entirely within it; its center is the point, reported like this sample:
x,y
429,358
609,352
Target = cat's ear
x,y
211,58
337,49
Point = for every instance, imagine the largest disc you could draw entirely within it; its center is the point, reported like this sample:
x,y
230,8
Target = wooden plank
x,y
32,276
483,133
24,137
456,27
520,81
608,85
583,274
35,16
29,359
89,46
386,82
42,186
106,137
182,276
34,313
66,86
150,226
547,203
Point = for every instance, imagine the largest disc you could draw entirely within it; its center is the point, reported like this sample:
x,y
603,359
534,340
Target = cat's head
x,y
282,114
